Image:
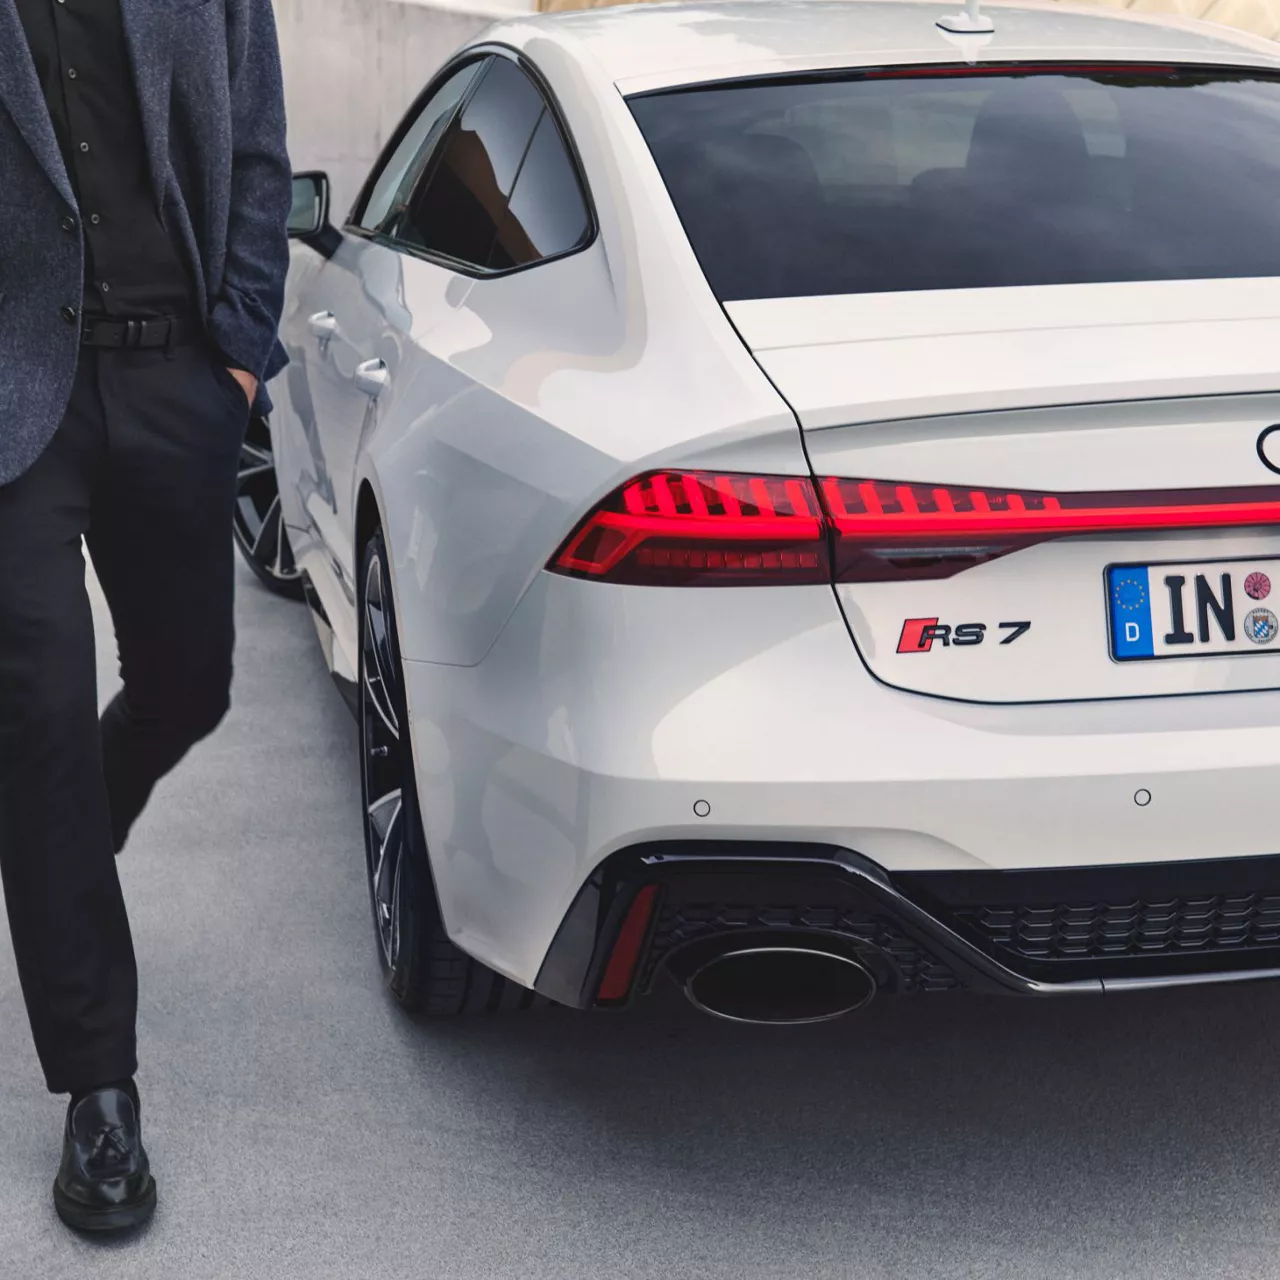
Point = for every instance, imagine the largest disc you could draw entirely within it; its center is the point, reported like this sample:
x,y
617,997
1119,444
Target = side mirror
x,y
309,213
310,210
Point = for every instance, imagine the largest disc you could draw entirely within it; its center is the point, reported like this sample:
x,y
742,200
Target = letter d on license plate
x,y
1200,609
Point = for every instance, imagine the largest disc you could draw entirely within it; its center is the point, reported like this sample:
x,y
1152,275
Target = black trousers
x,y
143,467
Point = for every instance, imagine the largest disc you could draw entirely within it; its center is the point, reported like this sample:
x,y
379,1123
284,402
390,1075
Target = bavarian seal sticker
x,y
1261,626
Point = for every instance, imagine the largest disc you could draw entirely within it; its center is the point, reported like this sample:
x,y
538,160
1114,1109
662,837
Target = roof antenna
x,y
970,21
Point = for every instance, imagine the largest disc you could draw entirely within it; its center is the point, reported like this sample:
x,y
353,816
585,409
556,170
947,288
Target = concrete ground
x,y
302,1127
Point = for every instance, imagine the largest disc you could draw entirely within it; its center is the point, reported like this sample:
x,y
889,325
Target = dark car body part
x,y
1057,931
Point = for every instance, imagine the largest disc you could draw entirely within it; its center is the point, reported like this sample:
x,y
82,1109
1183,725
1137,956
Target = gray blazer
x,y
209,85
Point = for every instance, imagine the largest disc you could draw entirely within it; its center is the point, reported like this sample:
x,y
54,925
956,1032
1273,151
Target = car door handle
x,y
372,376
324,324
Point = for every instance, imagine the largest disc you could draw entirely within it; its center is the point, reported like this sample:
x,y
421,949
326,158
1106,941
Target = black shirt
x,y
133,266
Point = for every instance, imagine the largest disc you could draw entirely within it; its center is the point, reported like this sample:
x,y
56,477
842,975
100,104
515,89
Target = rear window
x,y
955,180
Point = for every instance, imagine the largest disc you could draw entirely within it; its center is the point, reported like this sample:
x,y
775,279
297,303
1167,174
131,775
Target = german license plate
x,y
1201,609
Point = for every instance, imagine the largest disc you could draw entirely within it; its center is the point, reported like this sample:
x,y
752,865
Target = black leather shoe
x,y
105,1182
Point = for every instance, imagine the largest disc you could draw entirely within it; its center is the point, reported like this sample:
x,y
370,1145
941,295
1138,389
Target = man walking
x,y
144,191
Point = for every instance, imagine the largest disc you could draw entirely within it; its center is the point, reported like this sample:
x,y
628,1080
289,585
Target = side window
x,y
402,168
547,214
458,209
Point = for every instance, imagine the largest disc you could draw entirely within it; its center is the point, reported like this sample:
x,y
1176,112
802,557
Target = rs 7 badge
x,y
918,634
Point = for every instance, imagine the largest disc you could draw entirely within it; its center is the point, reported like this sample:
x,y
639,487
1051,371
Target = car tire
x,y
257,522
423,970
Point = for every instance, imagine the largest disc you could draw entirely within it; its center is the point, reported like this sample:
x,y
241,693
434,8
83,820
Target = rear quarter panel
x,y
549,387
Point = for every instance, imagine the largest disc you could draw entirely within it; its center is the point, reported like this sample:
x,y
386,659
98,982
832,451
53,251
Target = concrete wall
x,y
351,68
1258,17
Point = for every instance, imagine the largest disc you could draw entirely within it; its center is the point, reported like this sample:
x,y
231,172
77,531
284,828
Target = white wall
x,y
351,68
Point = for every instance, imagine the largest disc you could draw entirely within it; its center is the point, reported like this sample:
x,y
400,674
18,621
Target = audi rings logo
x,y
1269,448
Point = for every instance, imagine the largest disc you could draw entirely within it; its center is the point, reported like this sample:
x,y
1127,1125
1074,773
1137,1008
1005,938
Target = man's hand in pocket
x,y
248,383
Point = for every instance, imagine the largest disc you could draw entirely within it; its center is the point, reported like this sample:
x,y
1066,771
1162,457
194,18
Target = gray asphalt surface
x,y
301,1127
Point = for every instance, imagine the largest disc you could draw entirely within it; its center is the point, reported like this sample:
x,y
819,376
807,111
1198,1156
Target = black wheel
x,y
424,971
258,523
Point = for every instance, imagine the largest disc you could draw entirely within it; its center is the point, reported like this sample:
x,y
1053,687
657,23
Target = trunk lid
x,y
1125,391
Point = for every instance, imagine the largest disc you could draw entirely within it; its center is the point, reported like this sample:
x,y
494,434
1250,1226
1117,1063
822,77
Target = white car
x,y
794,490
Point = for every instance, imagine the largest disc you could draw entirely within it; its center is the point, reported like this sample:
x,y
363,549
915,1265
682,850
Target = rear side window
x,y
401,169
457,210
1025,176
547,214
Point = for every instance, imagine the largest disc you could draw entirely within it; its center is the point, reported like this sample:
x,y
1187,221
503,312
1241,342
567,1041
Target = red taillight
x,y
696,528
893,531
618,973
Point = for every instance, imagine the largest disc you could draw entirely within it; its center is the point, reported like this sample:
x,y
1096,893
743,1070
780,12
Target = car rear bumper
x,y
607,718
1070,931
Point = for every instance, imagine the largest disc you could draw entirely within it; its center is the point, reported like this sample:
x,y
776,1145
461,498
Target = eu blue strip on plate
x,y
1129,593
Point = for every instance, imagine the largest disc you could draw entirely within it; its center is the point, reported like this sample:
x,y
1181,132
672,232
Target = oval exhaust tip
x,y
780,985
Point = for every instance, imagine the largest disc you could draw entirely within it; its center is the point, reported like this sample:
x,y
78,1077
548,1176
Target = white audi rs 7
x,y
793,493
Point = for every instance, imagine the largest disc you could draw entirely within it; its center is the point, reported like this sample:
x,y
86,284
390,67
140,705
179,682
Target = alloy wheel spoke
x,y
263,549
254,461
373,691
246,474
389,859
384,830
377,674
386,847
382,812
277,561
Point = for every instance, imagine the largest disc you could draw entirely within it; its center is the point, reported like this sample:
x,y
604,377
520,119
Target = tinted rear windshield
x,y
911,180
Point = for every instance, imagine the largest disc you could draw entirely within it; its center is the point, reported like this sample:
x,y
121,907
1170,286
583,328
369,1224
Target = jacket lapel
x,y
21,96
147,29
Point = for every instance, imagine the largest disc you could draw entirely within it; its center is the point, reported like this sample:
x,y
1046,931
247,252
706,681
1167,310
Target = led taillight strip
x,y
672,526
701,528
1053,519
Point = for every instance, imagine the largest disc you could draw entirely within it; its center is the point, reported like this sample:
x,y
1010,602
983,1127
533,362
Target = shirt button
x,y
71,73
84,146
68,223
69,314
105,287
93,217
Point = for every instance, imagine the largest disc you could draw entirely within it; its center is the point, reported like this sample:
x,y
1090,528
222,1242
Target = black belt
x,y
99,332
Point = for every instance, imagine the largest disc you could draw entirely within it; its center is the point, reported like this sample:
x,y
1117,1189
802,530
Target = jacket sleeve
x,y
245,315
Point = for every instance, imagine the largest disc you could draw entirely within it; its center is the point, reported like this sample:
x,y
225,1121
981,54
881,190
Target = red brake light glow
x,y
681,528
1101,70
702,529
885,531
